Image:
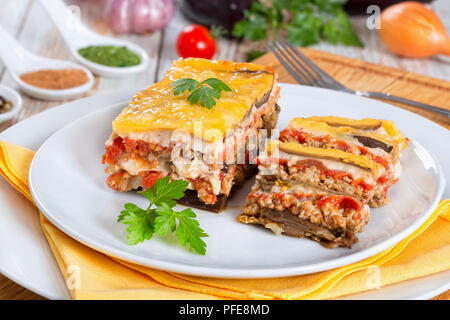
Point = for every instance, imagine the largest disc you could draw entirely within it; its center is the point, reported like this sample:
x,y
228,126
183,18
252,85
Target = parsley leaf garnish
x,y
160,218
216,84
207,91
140,224
183,85
188,231
165,191
305,22
206,95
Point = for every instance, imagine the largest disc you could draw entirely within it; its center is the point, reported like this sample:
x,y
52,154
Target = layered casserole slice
x,y
321,176
303,192
162,134
377,140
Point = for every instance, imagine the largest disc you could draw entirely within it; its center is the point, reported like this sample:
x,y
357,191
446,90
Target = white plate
x,y
28,260
31,263
68,185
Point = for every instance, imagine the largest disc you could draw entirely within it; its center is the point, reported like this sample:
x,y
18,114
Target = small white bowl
x,y
15,99
113,72
18,61
56,94
77,36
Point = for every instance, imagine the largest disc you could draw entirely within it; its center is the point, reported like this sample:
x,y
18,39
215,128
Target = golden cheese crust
x,y
157,108
335,154
338,132
392,131
364,124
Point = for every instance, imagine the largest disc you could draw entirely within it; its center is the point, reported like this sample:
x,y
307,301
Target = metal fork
x,y
307,73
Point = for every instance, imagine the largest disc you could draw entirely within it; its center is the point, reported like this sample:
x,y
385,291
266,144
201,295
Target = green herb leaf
x,y
253,27
254,54
206,92
188,231
165,191
304,30
339,29
206,95
216,84
140,224
160,218
165,222
330,6
306,22
183,85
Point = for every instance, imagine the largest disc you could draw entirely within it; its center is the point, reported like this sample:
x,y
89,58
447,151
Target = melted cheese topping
x,y
390,129
380,127
339,121
341,132
157,108
335,154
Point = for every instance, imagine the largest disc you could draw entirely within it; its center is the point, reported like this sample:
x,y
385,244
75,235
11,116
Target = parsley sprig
x,y
160,219
207,91
305,22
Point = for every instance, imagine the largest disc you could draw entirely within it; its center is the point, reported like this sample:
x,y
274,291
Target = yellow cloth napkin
x,y
90,274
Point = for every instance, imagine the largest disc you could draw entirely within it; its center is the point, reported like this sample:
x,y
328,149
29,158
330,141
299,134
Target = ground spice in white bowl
x,y
55,79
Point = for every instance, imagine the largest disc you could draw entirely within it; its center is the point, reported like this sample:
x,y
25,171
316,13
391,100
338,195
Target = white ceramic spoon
x,y
18,61
78,36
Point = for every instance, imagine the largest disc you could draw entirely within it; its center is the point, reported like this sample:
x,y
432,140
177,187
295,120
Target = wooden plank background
x,y
361,75
30,25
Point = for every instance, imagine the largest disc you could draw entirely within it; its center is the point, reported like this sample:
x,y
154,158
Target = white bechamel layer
x,y
398,170
295,188
196,168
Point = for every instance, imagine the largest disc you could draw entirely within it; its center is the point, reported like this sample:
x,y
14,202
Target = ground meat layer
x,y
310,173
333,212
375,199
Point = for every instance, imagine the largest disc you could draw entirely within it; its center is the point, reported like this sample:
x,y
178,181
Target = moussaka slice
x,y
311,192
161,134
377,140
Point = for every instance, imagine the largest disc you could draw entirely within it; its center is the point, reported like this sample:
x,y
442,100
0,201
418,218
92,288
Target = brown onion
x,y
411,30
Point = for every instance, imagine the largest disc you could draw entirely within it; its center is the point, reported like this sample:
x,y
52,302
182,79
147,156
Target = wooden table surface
x,y
30,25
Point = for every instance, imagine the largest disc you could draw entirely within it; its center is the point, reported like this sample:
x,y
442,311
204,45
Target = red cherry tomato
x,y
196,41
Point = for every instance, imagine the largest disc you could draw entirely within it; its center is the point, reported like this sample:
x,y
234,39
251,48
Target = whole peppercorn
x,y
5,105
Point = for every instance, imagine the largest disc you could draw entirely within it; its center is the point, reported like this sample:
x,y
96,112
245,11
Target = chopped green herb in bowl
x,y
112,56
